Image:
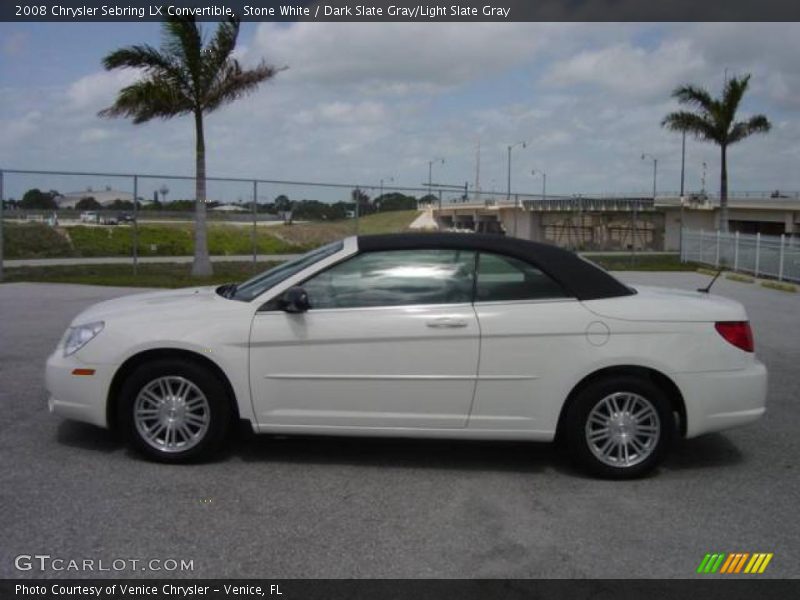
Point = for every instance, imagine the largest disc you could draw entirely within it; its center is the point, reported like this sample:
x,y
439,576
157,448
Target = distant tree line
x,y
306,210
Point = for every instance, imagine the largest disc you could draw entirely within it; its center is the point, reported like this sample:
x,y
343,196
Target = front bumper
x,y
723,399
79,397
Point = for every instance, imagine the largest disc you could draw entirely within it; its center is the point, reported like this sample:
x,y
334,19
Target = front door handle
x,y
446,323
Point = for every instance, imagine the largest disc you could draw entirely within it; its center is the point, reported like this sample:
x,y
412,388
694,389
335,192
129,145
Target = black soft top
x,y
578,277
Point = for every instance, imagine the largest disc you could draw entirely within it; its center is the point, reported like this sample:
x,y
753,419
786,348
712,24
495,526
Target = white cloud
x,y
630,71
395,57
98,90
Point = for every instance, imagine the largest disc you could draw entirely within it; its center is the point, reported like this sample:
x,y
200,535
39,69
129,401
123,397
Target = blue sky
x,y
362,102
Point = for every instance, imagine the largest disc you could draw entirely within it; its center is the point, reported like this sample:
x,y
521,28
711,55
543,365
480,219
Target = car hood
x,y
651,303
170,304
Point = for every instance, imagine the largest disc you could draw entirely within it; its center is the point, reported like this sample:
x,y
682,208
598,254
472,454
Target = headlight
x,y
78,337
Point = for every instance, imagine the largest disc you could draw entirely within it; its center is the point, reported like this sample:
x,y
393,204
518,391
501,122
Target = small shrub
x,y
780,286
34,240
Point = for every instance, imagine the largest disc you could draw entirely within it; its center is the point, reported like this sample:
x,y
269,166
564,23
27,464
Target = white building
x,y
105,197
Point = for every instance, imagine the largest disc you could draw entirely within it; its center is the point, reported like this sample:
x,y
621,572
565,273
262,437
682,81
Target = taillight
x,y
737,333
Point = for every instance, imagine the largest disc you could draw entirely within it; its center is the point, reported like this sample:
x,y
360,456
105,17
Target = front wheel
x,y
174,411
619,428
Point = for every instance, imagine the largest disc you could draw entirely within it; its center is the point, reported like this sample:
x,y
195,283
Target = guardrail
x,y
777,257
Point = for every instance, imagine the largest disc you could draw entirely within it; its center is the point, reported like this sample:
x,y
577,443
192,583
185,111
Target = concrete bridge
x,y
619,222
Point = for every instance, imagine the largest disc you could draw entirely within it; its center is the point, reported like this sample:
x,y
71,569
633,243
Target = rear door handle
x,y
446,323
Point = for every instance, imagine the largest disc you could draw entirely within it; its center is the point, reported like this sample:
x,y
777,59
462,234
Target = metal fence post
x,y
2,201
780,261
736,251
358,197
135,225
255,223
716,257
758,253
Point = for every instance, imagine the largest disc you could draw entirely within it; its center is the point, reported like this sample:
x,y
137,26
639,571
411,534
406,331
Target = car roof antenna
x,y
706,289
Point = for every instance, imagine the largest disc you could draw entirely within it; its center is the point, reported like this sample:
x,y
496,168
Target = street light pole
x,y
430,173
508,186
544,182
646,156
683,160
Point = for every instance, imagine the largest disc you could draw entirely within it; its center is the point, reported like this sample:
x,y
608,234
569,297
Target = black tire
x,y
216,412
575,427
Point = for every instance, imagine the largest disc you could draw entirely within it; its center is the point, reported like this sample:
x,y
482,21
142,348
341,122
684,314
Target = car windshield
x,y
271,277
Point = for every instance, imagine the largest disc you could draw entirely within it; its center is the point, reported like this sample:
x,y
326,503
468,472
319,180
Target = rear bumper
x,y
723,399
79,397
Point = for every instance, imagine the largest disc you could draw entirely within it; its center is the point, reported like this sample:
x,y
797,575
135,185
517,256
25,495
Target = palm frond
x,y
698,125
743,129
183,38
148,99
232,82
694,96
137,57
735,89
219,49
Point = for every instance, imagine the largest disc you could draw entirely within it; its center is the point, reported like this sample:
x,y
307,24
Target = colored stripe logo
x,y
734,563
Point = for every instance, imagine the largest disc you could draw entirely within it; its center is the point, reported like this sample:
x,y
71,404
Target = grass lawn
x,y
642,262
312,235
37,240
163,275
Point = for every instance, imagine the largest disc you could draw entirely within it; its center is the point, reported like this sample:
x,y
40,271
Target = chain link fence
x,y
92,215
776,257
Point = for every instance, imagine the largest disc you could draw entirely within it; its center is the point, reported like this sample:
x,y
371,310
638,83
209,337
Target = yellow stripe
x,y
728,563
741,561
751,563
757,564
766,562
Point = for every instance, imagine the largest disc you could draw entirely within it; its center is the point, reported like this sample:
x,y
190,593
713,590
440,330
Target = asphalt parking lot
x,y
346,508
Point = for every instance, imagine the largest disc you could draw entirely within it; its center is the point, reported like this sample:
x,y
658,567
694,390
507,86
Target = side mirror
x,y
295,300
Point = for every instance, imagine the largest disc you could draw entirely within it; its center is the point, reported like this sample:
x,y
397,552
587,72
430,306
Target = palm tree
x,y
714,120
186,76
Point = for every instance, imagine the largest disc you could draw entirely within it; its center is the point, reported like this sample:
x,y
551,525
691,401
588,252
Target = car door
x,y
391,340
533,341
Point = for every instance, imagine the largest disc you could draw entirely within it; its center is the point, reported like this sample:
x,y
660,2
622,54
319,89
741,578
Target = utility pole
x,y
478,171
508,186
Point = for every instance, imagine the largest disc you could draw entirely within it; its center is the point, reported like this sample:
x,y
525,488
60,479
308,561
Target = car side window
x,y
504,278
395,278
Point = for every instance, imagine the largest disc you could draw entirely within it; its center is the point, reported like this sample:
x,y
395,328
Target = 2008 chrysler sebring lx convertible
x,y
426,335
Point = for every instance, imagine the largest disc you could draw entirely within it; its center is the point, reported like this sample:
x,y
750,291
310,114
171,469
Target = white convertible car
x,y
424,335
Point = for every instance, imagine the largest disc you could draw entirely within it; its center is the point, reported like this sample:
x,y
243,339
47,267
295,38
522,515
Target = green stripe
x,y
718,564
711,563
703,563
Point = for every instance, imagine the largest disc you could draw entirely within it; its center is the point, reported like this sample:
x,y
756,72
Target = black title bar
x,y
405,10
398,589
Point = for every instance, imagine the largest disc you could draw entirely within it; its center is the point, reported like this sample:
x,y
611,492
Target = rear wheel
x,y
174,411
619,428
